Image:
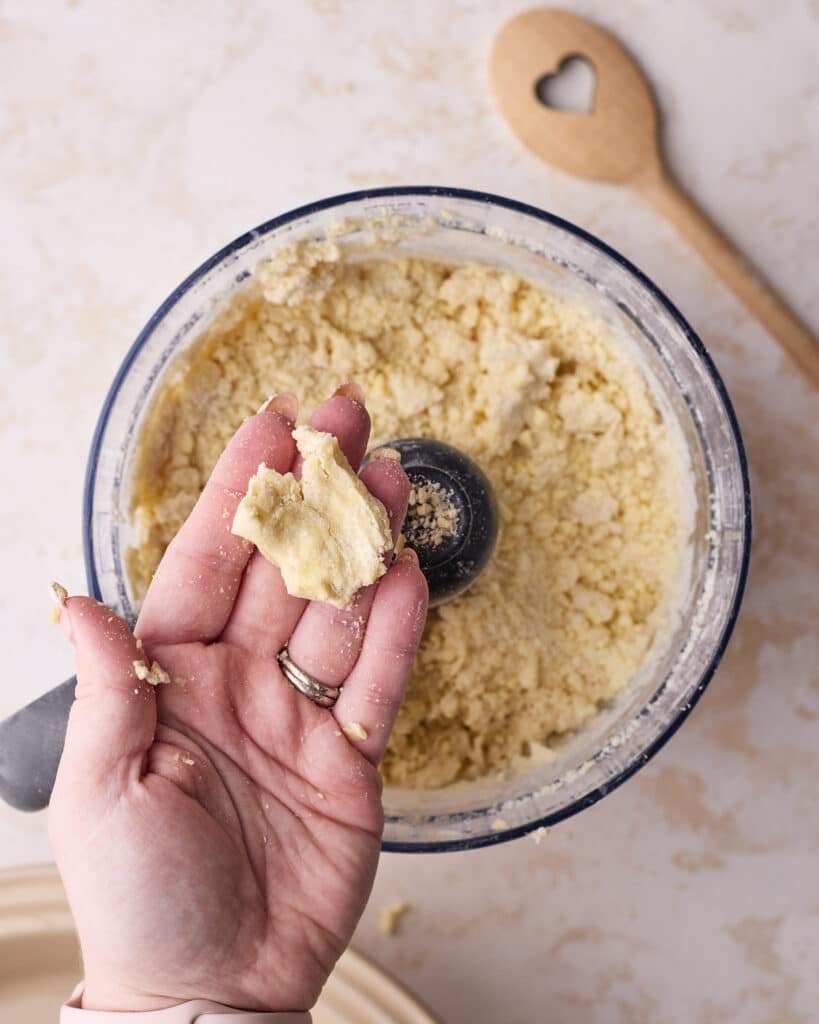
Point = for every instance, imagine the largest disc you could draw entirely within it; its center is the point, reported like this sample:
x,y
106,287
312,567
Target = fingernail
x,y
351,390
286,404
355,731
59,595
407,555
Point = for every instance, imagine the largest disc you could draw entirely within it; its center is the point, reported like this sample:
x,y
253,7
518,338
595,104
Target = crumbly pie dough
x,y
326,532
592,485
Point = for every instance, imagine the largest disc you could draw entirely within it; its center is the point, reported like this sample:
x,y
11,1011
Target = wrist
x,y
103,998
191,1011
114,999
146,984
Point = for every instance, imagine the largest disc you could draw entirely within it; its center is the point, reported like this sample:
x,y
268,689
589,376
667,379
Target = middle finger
x,y
265,615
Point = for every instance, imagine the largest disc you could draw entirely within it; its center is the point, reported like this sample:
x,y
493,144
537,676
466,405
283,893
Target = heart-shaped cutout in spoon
x,y
571,88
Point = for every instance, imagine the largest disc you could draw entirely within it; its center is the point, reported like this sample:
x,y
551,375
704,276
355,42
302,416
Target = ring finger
x,y
327,641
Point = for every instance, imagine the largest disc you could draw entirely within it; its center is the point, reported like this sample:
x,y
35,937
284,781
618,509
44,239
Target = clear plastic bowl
x,y
458,225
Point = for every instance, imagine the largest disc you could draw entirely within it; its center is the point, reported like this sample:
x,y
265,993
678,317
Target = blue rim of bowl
x,y
691,336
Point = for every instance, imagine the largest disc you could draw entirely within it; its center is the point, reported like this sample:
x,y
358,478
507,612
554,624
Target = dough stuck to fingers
x,y
327,534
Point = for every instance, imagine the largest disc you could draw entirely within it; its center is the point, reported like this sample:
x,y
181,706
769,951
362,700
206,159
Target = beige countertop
x,y
131,147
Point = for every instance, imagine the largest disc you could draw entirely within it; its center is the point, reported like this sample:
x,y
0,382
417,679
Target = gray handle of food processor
x,y
31,744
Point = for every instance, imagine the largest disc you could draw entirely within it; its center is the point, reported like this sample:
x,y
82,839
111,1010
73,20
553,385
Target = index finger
x,y
192,594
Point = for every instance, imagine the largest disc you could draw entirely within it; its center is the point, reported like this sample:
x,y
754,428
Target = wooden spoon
x,y
616,141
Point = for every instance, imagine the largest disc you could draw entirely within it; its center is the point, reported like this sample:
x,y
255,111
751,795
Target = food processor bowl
x,y
462,226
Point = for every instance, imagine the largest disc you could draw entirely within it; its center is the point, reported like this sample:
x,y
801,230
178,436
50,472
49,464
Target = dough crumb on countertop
x,y
155,675
539,835
390,916
326,532
590,481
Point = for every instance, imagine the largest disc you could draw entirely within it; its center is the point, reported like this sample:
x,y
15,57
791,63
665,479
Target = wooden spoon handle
x,y
720,254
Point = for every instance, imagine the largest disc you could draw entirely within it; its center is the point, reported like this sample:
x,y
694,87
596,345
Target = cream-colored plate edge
x,y
32,903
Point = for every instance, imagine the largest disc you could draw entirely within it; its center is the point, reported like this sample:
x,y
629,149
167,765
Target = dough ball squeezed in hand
x,y
327,534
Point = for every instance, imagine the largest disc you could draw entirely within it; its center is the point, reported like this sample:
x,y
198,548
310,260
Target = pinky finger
x,y
372,694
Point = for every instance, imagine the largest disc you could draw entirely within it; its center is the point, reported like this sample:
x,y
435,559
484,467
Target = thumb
x,y
113,718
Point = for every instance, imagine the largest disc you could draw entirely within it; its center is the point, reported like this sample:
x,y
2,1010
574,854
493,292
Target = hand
x,y
218,836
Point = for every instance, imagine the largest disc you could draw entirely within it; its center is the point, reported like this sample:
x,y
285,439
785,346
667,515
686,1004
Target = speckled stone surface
x,y
132,146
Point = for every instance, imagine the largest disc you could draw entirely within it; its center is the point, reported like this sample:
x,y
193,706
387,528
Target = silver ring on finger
x,y
318,693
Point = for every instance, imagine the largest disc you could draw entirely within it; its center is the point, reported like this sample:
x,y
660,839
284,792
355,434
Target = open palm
x,y
218,836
